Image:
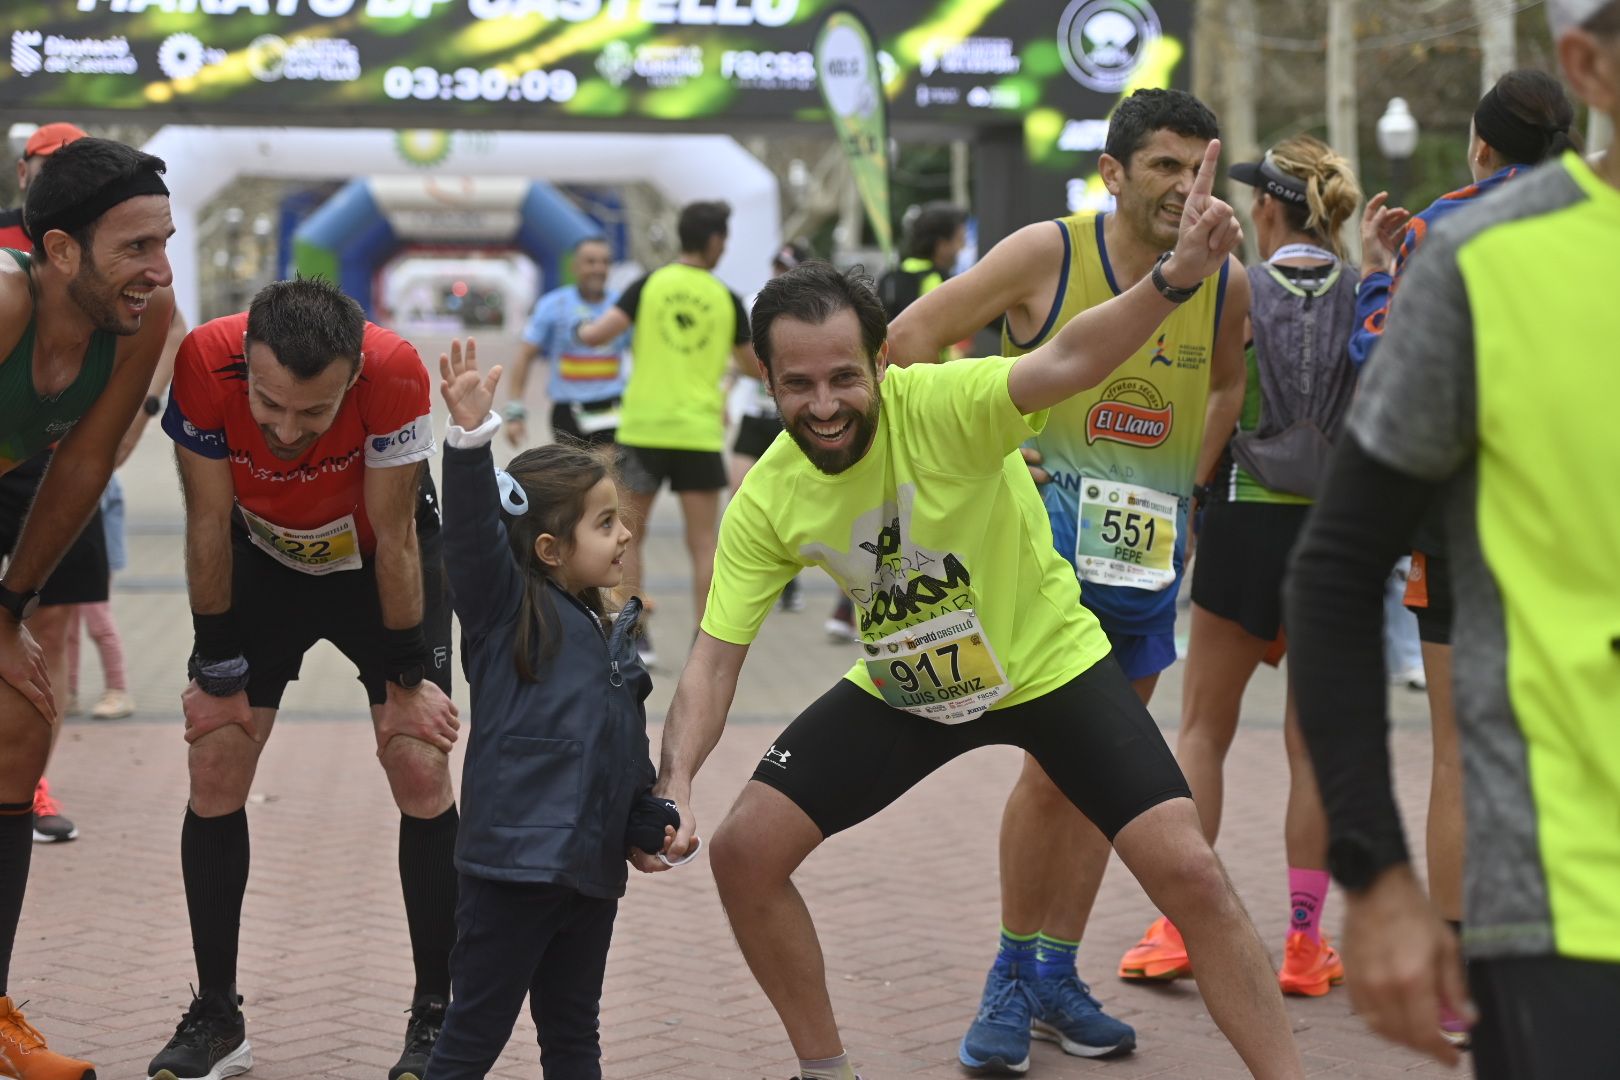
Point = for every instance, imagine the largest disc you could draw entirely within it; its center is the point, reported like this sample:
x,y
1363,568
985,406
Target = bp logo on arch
x,y
1103,42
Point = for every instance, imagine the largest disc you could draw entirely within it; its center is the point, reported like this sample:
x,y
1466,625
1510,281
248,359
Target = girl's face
x,y
596,557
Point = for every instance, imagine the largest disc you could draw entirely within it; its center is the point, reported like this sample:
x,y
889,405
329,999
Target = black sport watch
x,y
20,604
1167,290
408,677
152,405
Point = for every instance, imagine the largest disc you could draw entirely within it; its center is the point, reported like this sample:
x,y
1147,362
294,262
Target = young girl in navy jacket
x,y
557,760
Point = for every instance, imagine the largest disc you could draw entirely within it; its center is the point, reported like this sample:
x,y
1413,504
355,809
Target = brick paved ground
x,y
906,904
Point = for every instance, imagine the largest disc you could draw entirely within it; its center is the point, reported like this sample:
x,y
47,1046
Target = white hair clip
x,y
514,500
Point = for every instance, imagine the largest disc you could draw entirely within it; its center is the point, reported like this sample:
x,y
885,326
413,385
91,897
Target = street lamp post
x,y
1397,141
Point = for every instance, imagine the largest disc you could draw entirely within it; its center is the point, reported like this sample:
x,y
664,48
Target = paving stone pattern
x,y
906,904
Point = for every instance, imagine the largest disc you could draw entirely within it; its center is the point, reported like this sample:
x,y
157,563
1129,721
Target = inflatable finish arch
x,y
357,229
204,160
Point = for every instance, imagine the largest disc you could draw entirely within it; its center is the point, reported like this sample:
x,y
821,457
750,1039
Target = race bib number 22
x,y
332,547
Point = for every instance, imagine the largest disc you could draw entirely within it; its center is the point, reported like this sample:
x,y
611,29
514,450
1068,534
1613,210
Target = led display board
x,y
541,63
1052,68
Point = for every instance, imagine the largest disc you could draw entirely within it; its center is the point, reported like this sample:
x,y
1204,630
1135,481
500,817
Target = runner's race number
x,y
942,670
1127,535
332,547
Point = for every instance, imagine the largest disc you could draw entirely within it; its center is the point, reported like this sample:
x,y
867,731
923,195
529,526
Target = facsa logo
x,y
1103,42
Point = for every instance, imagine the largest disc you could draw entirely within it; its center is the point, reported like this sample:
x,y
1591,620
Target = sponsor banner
x,y
847,71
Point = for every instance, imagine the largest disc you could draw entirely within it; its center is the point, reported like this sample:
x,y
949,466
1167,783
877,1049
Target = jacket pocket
x,y
539,783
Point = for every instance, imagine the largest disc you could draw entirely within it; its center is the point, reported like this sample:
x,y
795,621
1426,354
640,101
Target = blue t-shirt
x,y
579,373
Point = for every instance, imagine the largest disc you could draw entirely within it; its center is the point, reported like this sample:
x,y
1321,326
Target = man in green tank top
x,y
689,328
83,320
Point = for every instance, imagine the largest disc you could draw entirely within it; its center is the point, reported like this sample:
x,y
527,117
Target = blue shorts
x,y
1141,655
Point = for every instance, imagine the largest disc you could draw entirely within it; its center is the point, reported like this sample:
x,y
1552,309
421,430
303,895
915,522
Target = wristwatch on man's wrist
x,y
1168,291
408,676
20,604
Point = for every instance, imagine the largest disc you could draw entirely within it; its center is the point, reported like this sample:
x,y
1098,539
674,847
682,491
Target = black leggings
x,y
850,754
1546,1018
545,941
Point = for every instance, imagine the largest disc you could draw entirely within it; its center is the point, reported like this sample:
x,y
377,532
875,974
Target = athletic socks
x,y
16,849
1017,952
1308,891
837,1068
427,875
214,863
1054,957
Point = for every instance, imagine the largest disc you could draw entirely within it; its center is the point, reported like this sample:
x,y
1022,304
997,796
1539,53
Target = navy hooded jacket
x,y
553,767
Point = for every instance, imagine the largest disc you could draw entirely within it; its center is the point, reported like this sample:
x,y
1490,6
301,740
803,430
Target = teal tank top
x,y
31,422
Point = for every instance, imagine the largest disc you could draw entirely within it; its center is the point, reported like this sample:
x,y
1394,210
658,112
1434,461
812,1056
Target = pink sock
x,y
1308,890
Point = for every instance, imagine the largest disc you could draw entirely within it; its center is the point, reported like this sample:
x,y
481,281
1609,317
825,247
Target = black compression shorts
x,y
281,613
82,575
850,754
1537,1018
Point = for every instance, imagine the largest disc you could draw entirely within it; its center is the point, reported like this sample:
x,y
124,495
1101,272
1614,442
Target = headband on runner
x,y
1510,135
73,218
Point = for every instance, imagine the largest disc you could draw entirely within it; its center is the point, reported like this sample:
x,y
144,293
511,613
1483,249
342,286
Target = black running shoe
x,y
210,1043
421,1032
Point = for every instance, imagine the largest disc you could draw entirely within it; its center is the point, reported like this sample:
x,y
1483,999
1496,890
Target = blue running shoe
x,y
1067,1014
998,1040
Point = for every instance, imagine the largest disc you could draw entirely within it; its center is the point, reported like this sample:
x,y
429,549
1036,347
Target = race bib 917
x,y
942,670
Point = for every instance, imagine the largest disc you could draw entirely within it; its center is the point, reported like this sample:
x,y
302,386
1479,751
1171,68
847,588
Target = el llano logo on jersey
x,y
1132,412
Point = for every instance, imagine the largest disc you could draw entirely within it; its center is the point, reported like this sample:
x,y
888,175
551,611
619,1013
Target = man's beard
x,y
98,299
834,461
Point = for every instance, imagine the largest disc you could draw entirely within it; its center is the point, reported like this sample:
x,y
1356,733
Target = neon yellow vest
x,y
686,325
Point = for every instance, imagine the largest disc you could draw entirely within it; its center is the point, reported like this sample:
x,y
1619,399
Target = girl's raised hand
x,y
467,393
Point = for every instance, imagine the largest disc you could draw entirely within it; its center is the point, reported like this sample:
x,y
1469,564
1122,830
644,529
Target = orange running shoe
x,y
1161,955
1309,967
24,1056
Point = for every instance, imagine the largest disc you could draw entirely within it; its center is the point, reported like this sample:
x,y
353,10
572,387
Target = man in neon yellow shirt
x,y
906,486
689,328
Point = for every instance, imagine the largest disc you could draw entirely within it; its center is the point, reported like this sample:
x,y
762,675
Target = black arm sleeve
x,y
630,299
1335,617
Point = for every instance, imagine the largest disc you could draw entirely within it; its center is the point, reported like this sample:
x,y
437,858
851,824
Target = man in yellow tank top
x,y
1119,467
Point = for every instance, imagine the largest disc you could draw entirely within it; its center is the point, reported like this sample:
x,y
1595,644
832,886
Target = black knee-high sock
x,y
214,859
16,850
427,874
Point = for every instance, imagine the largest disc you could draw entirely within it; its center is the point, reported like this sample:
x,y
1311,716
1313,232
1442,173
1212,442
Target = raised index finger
x,y
1205,183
